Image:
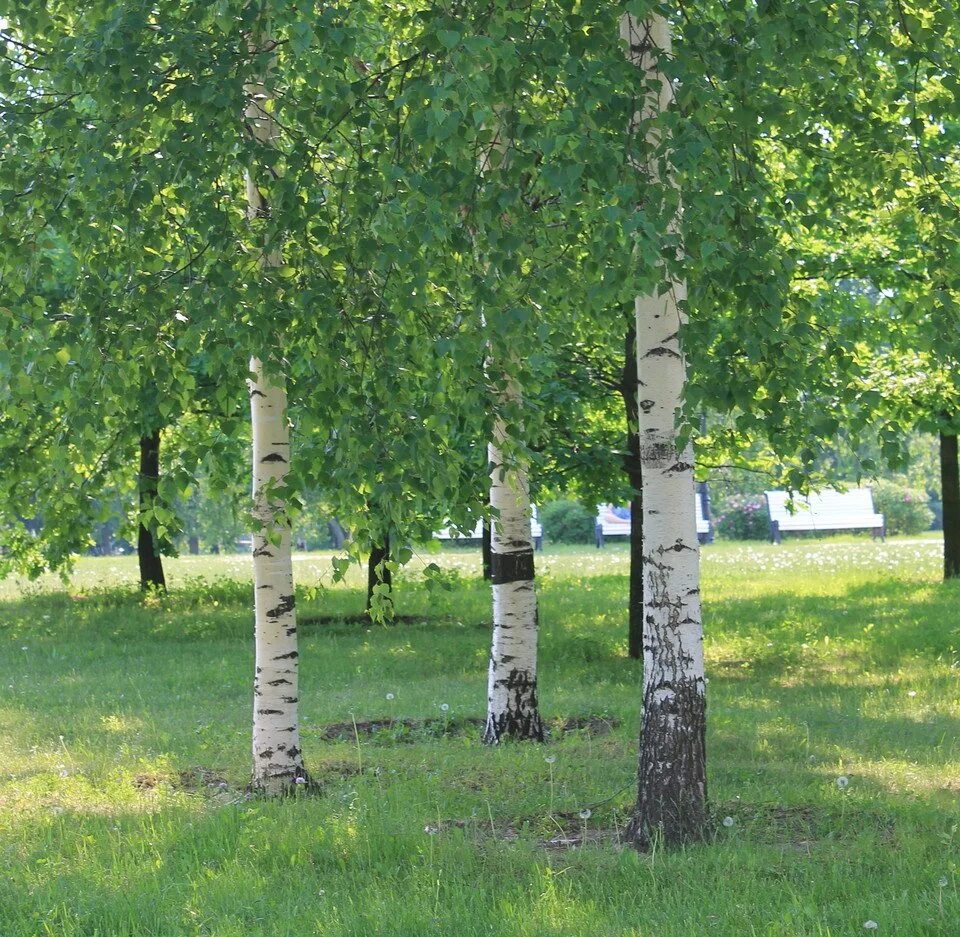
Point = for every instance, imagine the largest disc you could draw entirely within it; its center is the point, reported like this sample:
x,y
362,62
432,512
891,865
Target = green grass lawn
x,y
124,739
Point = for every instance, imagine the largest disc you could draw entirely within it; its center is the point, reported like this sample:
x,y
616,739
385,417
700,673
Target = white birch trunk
x,y
512,707
672,794
512,678
277,758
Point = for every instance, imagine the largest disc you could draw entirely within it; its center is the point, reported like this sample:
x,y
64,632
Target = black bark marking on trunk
x,y
659,454
291,656
278,682
148,553
950,496
254,392
269,712
511,567
647,405
672,789
661,352
273,457
285,605
266,753
521,718
263,551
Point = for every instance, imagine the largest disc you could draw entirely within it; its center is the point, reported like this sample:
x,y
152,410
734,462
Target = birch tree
x,y
277,756
672,784
512,706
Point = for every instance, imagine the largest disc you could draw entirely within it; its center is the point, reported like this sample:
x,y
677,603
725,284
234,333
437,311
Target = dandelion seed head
x,y
843,782
586,813
728,821
390,696
550,759
944,881
444,707
300,780
870,925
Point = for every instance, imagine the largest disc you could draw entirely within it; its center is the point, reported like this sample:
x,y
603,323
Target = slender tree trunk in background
x,y
148,554
950,494
629,391
277,757
337,533
377,570
193,545
512,708
672,784
485,549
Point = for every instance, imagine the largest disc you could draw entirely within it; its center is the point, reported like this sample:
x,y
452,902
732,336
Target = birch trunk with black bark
x,y
277,756
672,787
512,707
148,550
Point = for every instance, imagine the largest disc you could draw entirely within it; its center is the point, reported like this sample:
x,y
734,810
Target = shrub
x,y
743,517
567,522
905,509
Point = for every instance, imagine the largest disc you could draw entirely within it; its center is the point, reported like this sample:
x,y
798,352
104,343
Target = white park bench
x,y
536,531
825,510
609,524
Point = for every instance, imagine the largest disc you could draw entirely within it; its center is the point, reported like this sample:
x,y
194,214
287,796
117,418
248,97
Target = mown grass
x,y
124,738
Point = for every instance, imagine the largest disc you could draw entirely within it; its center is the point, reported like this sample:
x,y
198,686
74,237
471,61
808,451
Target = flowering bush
x,y
905,509
743,517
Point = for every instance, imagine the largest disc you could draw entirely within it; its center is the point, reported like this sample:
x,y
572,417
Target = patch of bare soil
x,y
415,730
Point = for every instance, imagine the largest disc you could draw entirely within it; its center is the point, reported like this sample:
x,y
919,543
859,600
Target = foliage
x,y
567,522
905,510
742,517
152,703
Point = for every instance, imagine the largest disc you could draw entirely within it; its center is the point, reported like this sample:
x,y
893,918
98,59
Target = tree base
x,y
293,784
526,727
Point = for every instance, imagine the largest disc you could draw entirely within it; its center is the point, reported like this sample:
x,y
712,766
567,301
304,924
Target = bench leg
x,y
775,536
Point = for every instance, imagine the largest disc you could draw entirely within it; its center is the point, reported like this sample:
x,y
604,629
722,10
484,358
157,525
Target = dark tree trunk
x,y
631,463
950,487
193,545
379,554
148,554
486,551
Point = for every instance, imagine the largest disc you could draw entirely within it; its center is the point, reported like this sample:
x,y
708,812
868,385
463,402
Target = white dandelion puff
x,y
843,782
728,821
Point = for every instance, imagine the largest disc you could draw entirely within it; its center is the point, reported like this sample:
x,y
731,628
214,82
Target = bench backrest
x,y
448,533
825,510
614,521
